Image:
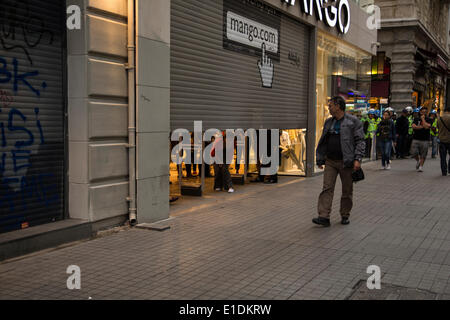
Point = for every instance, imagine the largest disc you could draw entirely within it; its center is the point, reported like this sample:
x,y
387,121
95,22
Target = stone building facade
x,y
414,35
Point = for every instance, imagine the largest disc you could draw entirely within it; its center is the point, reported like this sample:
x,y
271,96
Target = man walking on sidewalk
x,y
444,138
340,149
421,138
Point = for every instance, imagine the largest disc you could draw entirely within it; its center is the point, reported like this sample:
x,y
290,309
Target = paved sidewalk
x,y
260,244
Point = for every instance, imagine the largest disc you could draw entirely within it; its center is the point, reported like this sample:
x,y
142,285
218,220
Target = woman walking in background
x,y
387,136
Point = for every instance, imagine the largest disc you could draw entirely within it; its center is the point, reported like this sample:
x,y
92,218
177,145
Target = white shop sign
x,y
334,15
251,33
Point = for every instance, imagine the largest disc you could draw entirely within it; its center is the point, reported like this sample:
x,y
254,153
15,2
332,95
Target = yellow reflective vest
x,y
373,126
410,130
377,123
434,125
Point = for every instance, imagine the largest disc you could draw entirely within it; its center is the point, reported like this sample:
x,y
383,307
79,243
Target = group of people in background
x,y
408,135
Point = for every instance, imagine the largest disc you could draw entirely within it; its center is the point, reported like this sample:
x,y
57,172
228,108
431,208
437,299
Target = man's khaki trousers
x,y
332,170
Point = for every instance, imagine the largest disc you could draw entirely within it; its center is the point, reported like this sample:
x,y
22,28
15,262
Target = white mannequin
x,y
288,150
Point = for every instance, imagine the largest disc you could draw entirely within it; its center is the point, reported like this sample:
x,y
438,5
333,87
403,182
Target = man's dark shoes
x,y
321,222
345,221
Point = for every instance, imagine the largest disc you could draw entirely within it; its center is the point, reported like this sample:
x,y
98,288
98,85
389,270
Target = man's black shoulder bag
x,y
358,175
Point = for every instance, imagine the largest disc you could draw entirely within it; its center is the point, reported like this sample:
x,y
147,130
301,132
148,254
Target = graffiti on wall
x,y
21,136
14,78
18,22
27,181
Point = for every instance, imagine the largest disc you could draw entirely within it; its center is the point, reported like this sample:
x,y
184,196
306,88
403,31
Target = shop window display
x,y
293,152
292,155
342,70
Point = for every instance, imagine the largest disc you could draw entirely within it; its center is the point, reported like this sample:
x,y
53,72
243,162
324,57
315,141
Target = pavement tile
x,y
259,243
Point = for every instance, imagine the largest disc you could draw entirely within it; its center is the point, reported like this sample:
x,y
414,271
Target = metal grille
x,y
223,88
31,113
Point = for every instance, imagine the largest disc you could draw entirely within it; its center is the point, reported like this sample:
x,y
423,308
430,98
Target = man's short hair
x,y
339,101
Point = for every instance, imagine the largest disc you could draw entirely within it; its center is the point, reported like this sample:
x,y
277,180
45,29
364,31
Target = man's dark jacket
x,y
352,141
402,125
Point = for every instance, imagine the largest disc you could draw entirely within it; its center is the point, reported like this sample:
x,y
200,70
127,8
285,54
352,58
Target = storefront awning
x,y
435,59
419,86
427,54
442,63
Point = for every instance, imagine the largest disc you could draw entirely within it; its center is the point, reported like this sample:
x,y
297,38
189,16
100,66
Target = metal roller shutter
x,y
32,128
223,87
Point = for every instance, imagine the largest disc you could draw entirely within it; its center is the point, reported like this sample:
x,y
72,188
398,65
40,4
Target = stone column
x,y
402,68
153,109
97,112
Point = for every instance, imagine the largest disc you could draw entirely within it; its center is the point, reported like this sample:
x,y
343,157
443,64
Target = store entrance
x,y
197,178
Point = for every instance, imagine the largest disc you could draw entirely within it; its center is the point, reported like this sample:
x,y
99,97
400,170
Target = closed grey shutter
x,y
223,88
31,113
